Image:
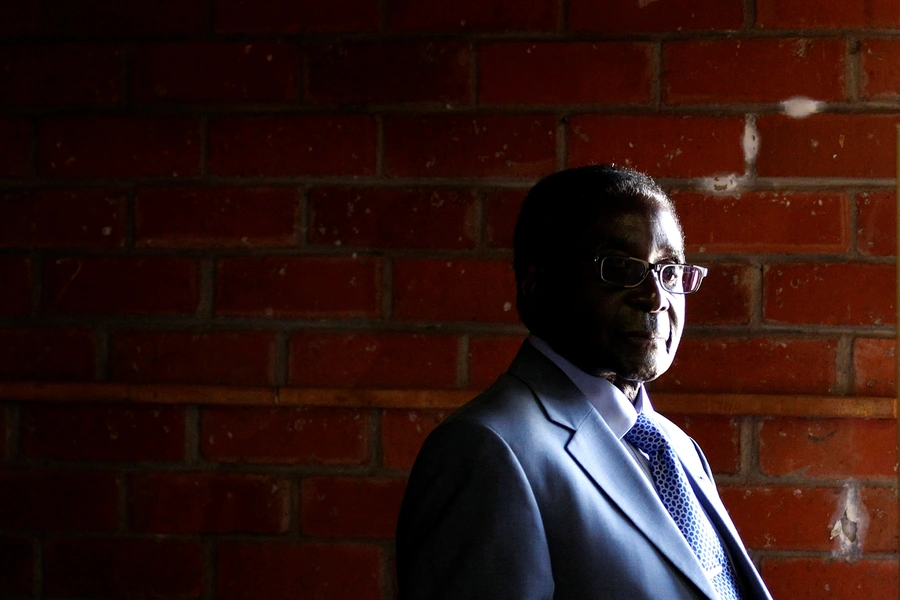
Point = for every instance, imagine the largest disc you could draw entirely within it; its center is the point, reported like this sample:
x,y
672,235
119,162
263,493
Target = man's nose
x,y
650,295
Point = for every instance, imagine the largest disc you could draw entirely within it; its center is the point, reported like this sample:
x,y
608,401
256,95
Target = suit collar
x,y
598,451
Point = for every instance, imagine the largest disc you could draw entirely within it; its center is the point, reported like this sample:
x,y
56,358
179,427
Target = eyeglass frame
x,y
649,267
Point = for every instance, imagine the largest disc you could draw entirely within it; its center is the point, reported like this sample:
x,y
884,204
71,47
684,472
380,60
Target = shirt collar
x,y
614,407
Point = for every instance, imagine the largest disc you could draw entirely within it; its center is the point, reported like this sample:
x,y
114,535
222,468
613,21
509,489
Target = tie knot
x,y
646,436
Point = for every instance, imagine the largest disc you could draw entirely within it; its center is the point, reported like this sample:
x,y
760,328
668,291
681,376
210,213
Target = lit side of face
x,y
627,334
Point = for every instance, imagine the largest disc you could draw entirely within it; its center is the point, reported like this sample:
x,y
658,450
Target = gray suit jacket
x,y
525,493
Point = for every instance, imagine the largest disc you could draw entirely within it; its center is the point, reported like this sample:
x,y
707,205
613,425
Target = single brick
x,y
402,434
828,448
89,285
637,17
594,73
20,18
218,217
770,70
82,218
60,74
767,366
388,72
292,145
784,517
821,578
15,147
393,218
829,294
46,500
309,436
129,568
216,72
826,145
663,146
489,357
299,286
881,505
726,295
352,507
874,369
119,147
47,354
876,234
454,290
719,437
809,14
266,570
185,503
470,146
111,18
765,222
15,273
367,360
16,567
296,16
501,214
880,71
473,15
211,358
103,432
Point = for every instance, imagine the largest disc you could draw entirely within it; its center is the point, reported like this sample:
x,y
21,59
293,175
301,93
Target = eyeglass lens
x,y
630,272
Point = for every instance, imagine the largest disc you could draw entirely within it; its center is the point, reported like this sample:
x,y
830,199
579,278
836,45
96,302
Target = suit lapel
x,y
600,454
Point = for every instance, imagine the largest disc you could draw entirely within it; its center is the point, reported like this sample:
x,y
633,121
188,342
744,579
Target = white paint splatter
x,y
800,107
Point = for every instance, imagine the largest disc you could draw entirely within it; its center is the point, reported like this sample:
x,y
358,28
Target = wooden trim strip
x,y
693,404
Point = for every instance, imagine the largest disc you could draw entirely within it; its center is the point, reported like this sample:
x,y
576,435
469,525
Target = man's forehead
x,y
630,223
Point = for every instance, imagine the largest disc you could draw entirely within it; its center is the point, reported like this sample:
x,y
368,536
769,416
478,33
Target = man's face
x,y
628,333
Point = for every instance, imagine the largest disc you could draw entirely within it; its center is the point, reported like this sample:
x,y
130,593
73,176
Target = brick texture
x,y
435,290
294,436
292,286
15,272
473,15
472,146
726,296
110,18
807,14
290,16
184,503
662,146
350,507
79,432
15,147
260,571
501,214
599,73
880,73
752,366
719,437
61,74
292,145
765,222
116,568
32,500
403,432
771,70
47,354
216,358
874,372
16,566
876,213
829,294
119,147
62,219
218,217
90,285
828,448
368,360
489,357
391,218
826,146
817,578
387,72
225,72
689,15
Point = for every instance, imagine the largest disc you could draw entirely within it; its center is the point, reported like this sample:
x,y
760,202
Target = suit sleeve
x,y
469,525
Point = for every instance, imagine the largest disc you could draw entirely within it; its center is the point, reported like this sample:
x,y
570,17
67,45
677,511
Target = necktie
x,y
679,499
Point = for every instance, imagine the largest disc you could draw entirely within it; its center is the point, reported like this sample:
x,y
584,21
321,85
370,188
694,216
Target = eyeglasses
x,y
628,272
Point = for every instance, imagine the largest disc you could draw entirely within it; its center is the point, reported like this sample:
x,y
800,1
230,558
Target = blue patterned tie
x,y
679,499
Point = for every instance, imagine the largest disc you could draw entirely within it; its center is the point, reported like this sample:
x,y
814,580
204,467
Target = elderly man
x,y
560,481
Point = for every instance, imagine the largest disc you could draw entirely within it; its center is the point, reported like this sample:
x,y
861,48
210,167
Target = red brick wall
x,y
321,195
